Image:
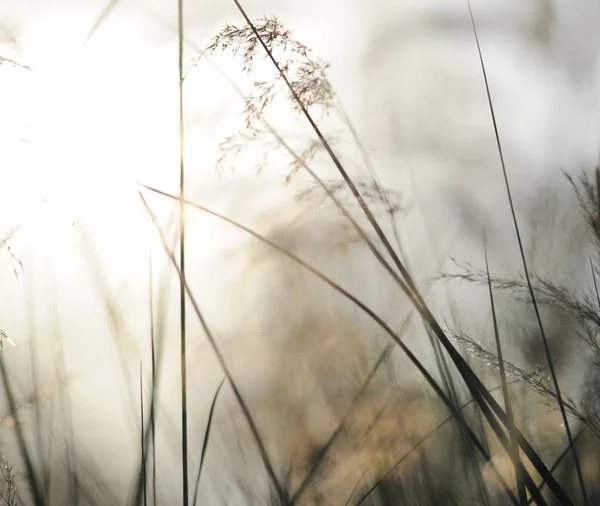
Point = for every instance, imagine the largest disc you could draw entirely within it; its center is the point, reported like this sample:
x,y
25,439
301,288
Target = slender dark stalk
x,y
143,446
526,270
408,286
103,15
205,441
354,489
153,359
505,394
249,419
184,435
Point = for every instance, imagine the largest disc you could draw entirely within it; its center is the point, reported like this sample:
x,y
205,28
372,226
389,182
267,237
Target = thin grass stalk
x,y
205,442
505,394
438,390
100,19
409,288
282,495
182,300
153,363
478,424
142,445
159,342
354,489
524,261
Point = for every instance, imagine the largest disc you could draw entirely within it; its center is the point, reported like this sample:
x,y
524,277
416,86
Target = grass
x,y
526,270
374,452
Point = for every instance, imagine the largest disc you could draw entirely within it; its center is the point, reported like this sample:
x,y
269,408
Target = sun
x,y
80,124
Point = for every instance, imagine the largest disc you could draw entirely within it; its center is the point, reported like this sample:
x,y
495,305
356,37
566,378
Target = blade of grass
x,y
103,15
205,441
524,262
182,300
159,354
505,394
153,362
142,445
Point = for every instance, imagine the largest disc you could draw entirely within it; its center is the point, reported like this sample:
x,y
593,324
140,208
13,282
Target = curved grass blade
x,y
205,441
505,394
143,446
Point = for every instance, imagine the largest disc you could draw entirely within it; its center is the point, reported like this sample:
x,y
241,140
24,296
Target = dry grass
x,y
330,422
